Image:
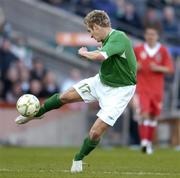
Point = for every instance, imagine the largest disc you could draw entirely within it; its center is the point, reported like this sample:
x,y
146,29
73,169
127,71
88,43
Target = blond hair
x,y
97,17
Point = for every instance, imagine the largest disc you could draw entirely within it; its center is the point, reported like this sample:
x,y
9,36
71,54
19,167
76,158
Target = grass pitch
x,y
102,163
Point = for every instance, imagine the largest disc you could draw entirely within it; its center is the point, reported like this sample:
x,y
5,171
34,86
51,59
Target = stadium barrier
x,y
65,127
171,124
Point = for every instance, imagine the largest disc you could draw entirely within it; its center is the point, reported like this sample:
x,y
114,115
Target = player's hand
x,y
154,67
159,68
139,66
82,51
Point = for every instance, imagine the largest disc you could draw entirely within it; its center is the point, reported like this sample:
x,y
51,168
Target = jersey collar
x,y
152,51
109,34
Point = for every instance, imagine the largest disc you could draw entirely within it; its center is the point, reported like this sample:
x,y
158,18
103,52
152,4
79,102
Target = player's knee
x,y
145,116
64,98
94,134
70,96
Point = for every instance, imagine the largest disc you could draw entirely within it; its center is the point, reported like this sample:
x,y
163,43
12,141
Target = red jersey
x,y
148,80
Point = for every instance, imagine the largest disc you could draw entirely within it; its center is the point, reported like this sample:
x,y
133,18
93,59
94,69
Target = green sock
x,y
51,103
86,148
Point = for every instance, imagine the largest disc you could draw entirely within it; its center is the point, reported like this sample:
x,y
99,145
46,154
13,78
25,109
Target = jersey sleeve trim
x,y
104,54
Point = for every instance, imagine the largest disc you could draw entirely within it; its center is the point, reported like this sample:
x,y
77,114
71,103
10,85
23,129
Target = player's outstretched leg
x,y
54,102
89,144
22,119
51,103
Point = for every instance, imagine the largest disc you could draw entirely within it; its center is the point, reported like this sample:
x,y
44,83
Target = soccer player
x,y
154,62
113,87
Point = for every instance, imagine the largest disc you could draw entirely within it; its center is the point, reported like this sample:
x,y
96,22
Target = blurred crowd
x,y
21,71
135,15
17,77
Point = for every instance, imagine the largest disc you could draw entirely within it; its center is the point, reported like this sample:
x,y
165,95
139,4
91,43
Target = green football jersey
x,y
119,68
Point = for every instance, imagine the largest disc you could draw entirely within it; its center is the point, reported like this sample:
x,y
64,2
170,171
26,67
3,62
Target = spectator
x,y
7,58
36,88
176,4
169,23
120,4
107,5
73,78
12,77
38,71
20,65
83,7
21,51
49,84
15,92
25,79
151,18
130,16
5,27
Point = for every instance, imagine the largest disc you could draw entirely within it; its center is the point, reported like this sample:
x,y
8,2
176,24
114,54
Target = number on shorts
x,y
85,88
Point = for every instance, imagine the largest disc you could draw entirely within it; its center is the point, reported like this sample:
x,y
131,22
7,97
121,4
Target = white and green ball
x,y
28,105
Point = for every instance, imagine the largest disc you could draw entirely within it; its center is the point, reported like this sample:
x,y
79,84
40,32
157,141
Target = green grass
x,y
102,163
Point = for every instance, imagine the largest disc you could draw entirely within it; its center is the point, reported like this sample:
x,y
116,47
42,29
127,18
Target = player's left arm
x,y
114,46
92,55
166,66
159,68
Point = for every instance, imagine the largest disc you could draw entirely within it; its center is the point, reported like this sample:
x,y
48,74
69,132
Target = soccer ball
x,y
28,105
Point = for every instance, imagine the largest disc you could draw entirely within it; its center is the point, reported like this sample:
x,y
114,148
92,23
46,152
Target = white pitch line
x,y
139,173
95,172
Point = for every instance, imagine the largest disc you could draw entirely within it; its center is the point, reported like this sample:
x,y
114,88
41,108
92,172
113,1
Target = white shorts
x,y
112,101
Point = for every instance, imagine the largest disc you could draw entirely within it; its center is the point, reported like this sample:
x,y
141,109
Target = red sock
x,y
151,133
143,131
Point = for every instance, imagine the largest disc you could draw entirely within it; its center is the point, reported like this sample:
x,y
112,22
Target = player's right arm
x,y
136,52
139,66
92,55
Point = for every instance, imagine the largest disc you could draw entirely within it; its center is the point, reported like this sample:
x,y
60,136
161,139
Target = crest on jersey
x,y
143,55
123,55
158,57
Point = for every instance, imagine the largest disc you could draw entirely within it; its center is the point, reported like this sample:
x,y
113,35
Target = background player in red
x,y
154,61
